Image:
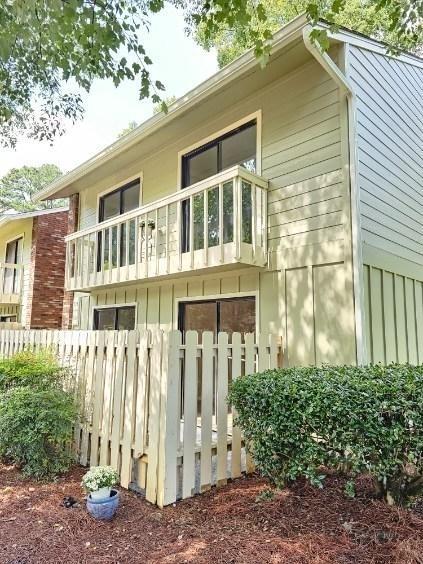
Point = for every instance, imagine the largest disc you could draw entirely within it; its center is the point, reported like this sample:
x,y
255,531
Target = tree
x,y
52,51
19,185
365,16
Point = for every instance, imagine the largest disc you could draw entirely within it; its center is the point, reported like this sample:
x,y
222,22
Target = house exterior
x,y
285,200
32,269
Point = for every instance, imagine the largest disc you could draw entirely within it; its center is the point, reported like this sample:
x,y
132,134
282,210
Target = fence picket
x,y
206,411
169,421
249,369
142,390
126,467
116,419
222,408
88,397
154,416
98,395
107,398
236,431
190,414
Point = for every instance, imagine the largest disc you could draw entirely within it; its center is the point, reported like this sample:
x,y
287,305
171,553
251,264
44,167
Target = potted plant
x,y
102,500
150,224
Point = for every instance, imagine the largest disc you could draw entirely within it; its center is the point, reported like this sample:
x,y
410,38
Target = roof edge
x,y
230,72
6,218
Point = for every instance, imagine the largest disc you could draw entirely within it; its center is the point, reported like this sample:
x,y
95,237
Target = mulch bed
x,y
227,525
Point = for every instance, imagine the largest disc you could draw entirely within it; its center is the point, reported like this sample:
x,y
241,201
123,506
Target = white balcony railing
x,y
219,221
11,280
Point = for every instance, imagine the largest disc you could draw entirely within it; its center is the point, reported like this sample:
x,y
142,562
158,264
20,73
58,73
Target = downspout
x,y
356,249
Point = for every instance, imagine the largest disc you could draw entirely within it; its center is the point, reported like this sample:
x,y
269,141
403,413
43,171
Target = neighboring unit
x,y
32,269
285,200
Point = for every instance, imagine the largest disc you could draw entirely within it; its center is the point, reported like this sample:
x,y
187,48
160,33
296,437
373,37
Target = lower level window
x,y
115,318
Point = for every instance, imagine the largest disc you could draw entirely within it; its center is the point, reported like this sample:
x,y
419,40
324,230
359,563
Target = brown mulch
x,y
227,525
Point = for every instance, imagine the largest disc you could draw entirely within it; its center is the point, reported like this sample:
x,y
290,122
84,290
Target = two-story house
x,y
286,199
32,269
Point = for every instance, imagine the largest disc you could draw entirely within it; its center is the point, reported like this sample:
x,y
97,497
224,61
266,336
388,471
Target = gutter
x,y
346,90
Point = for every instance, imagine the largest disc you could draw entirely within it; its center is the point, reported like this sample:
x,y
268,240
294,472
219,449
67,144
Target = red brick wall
x,y
72,226
47,271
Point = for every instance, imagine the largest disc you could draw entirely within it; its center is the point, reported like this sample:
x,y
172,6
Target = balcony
x,y
11,279
216,223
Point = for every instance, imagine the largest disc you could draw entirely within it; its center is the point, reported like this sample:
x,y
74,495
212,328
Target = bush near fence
x,y
363,419
37,415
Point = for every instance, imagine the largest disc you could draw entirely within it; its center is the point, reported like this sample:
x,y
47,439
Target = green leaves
x,y
362,420
36,415
238,26
19,185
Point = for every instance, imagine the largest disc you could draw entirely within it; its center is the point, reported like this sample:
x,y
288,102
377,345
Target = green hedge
x,y
37,414
360,419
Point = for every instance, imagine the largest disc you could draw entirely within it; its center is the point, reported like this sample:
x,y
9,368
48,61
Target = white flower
x,y
99,477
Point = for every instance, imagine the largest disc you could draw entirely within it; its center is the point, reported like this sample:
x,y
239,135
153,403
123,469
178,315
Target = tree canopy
x,y
373,18
19,185
52,51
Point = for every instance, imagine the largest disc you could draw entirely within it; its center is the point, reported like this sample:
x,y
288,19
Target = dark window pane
x,y
198,202
105,318
228,212
240,149
199,316
106,249
114,246
247,213
238,315
202,165
111,206
126,318
131,198
213,216
131,242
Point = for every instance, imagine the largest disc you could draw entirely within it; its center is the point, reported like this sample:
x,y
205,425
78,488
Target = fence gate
x,y
153,406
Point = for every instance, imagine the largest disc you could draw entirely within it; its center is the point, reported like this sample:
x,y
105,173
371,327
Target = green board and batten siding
x,y
390,152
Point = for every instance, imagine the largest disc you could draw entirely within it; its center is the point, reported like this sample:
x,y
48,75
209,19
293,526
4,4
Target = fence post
x,y
169,420
154,415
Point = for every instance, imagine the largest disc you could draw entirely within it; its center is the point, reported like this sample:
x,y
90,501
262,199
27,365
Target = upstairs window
x,y
120,201
238,147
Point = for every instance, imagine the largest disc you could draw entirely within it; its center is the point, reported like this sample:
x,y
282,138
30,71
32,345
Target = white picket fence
x,y
154,406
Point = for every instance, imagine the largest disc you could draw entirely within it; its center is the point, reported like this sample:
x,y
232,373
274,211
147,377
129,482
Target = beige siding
x,y
9,232
309,307
306,295
394,314
390,151
301,157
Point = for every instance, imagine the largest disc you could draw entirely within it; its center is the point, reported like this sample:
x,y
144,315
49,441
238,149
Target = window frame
x,y
217,297
116,307
119,191
116,188
218,135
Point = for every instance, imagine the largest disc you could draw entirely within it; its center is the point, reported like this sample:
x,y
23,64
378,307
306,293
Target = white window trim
x,y
114,306
115,187
257,115
212,297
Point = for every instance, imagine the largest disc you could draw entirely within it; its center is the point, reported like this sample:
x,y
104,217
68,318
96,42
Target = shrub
x,y
363,419
37,414
27,368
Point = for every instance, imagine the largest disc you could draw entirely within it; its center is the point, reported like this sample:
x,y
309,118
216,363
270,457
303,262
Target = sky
x,y
177,62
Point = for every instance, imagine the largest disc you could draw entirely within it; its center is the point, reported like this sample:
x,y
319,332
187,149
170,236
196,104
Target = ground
x,y
227,525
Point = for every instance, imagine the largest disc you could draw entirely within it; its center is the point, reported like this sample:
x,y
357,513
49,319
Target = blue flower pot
x,y
103,509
